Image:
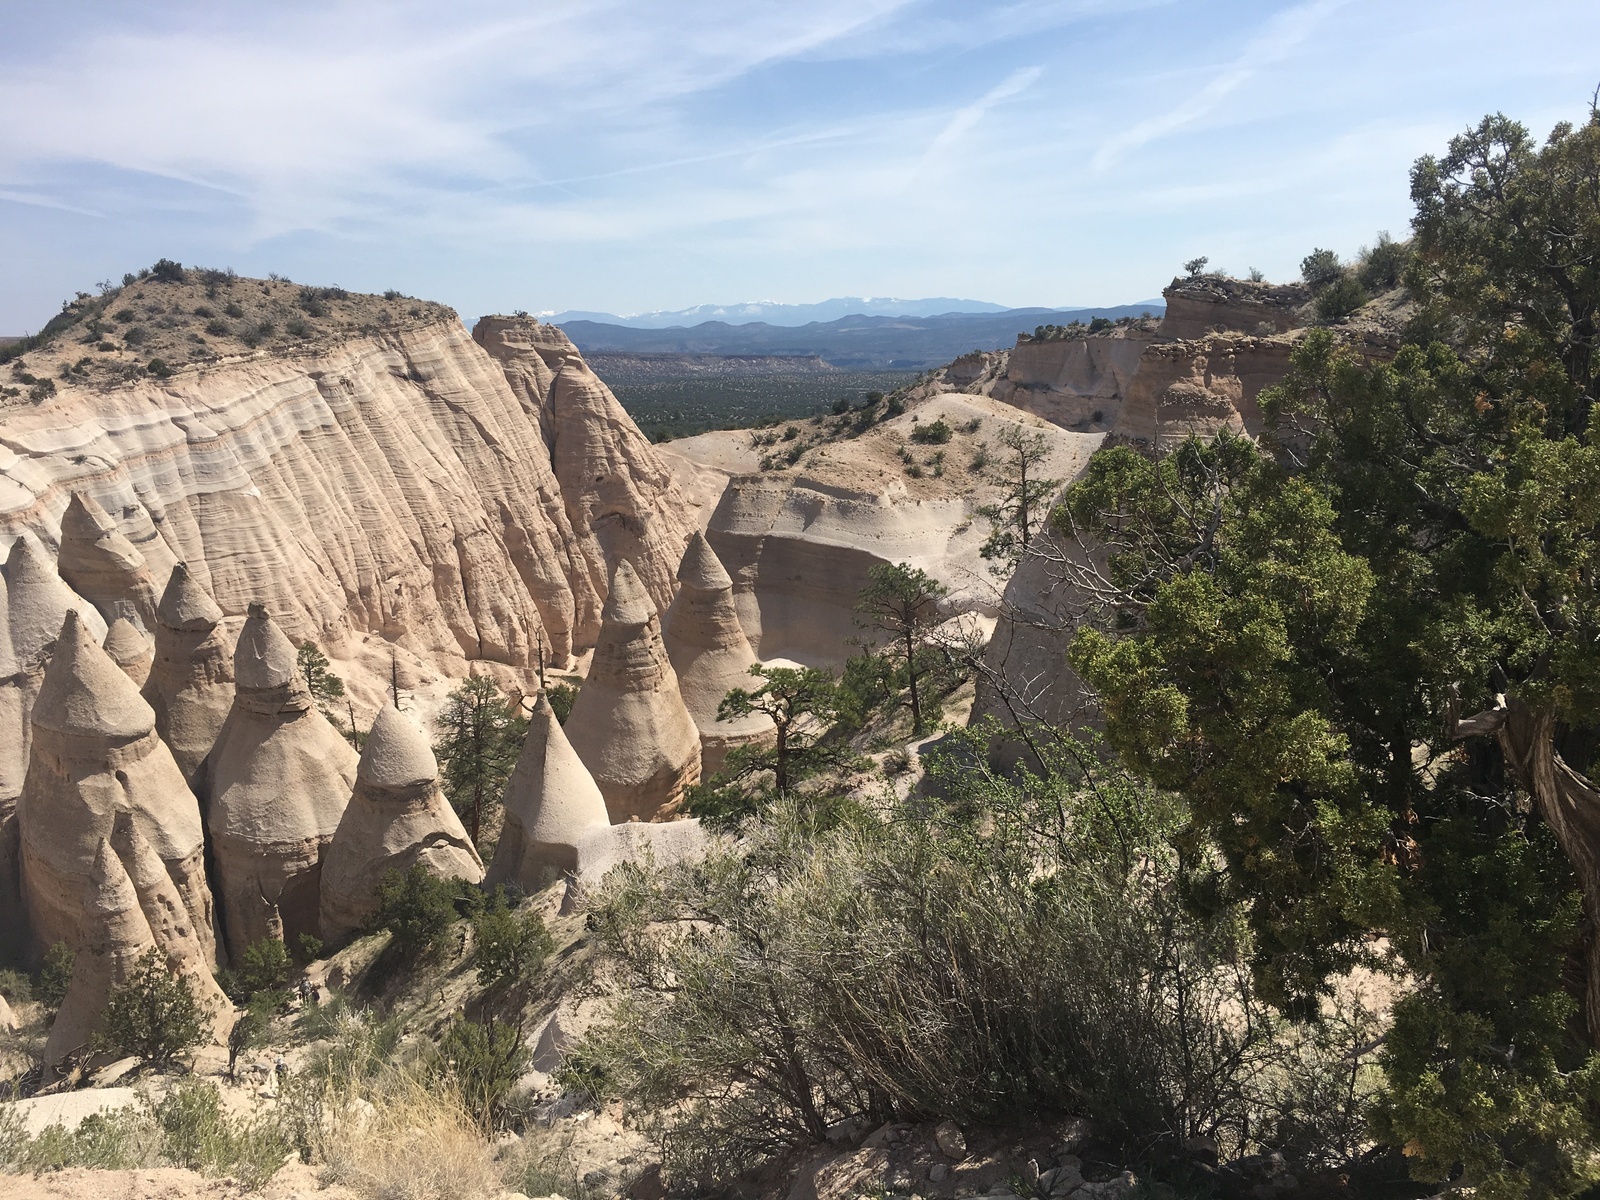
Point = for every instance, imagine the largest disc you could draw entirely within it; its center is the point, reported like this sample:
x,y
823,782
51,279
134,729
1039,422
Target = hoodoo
x,y
103,566
129,649
129,906
397,817
38,601
190,685
96,755
711,654
551,801
629,724
276,781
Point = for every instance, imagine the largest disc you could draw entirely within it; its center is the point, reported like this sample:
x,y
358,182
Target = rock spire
x,y
711,654
551,801
629,724
276,780
38,600
397,817
190,684
104,566
129,649
95,760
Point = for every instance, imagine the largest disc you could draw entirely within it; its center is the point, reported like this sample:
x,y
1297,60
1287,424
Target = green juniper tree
x,y
481,734
902,602
1371,664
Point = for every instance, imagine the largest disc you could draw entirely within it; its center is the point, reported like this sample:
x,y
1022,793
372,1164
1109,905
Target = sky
x,y
623,157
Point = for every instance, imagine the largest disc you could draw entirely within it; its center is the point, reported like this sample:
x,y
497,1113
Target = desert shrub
x,y
1381,267
115,1140
233,309
1340,298
1100,324
158,368
509,945
841,406
155,1015
418,1143
1195,266
935,433
55,976
307,949
167,271
263,971
417,908
217,327
484,1060
135,336
1320,268
561,697
42,391
1016,951
198,1132
296,327
16,987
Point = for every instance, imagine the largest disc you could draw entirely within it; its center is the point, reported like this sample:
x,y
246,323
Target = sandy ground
x,y
294,1182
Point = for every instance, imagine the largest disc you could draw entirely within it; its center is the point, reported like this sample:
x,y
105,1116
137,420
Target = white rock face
x,y
711,655
629,724
393,484
277,782
397,818
130,650
551,802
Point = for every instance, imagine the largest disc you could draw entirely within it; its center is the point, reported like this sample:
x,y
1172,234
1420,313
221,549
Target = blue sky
x,y
631,156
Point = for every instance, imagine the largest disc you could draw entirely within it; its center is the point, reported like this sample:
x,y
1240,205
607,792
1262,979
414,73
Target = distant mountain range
x,y
773,313
857,341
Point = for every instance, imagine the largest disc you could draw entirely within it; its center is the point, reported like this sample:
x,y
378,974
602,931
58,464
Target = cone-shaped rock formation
x,y
276,783
129,649
103,566
191,678
397,817
95,755
551,801
129,906
38,601
629,724
711,654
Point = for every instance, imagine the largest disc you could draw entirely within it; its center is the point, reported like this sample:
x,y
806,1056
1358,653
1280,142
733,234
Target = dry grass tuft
x,y
414,1144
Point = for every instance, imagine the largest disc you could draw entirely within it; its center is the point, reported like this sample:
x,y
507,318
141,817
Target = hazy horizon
x,y
602,157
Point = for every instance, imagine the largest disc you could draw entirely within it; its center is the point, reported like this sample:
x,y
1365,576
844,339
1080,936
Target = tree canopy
x,y
1367,653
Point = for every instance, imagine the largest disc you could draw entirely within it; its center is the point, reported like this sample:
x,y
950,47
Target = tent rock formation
x,y
397,817
190,686
551,802
130,650
711,654
629,724
104,566
95,761
276,782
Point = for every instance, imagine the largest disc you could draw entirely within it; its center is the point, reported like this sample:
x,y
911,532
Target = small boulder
x,y
951,1141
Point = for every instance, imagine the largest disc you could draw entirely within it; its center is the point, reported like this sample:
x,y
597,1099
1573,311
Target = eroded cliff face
x,y
464,499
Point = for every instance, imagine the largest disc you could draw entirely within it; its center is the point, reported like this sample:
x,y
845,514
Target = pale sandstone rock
x,y
620,498
116,933
103,566
190,684
129,649
95,755
711,655
277,781
13,769
38,600
397,818
390,484
1205,304
661,844
629,724
551,802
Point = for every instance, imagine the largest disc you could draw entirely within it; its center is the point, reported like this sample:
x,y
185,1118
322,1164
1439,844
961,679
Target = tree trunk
x,y
1567,802
911,673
